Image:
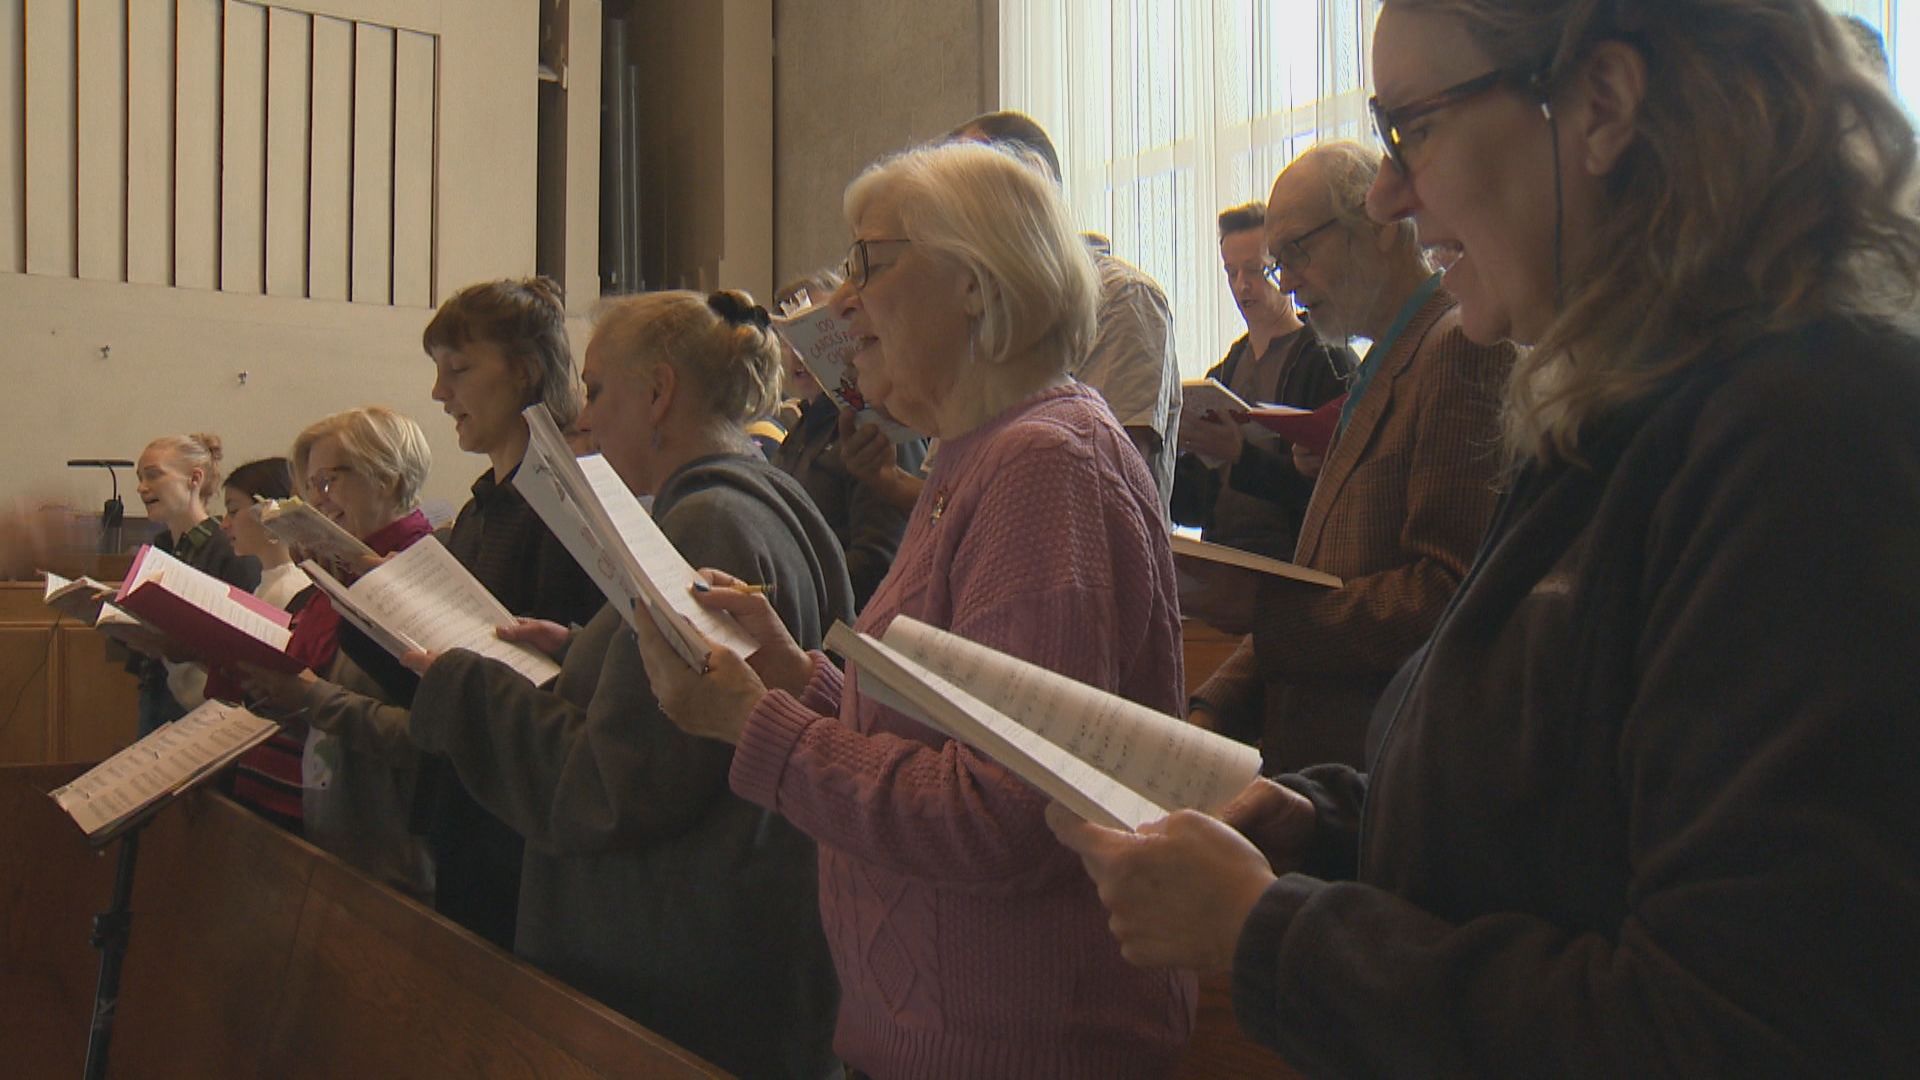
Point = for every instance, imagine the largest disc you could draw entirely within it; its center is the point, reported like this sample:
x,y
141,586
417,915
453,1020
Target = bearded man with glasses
x,y
1402,497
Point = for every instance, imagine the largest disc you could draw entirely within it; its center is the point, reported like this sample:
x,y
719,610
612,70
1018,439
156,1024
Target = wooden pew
x,y
64,700
254,954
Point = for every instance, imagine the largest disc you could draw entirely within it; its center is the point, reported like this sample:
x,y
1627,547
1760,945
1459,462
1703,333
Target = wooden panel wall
x,y
224,144
61,699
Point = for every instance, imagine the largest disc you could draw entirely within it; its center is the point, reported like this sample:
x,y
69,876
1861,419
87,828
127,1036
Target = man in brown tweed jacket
x,y
1402,497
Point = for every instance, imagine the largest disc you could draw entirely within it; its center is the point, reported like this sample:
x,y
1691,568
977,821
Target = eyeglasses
x,y
1391,124
860,265
321,483
1293,253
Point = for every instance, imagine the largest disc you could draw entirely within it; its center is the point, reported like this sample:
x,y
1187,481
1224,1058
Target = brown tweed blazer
x,y
1397,513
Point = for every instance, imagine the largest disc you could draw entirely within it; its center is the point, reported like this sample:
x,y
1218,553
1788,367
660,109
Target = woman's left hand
x,y
713,702
1177,892
277,690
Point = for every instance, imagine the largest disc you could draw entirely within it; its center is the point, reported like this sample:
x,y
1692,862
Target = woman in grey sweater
x,y
646,882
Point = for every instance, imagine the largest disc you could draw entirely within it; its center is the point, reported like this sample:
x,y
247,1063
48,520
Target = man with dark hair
x,y
1131,361
1237,481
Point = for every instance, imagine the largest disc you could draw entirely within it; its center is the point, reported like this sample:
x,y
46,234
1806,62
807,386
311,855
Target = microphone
x,y
115,511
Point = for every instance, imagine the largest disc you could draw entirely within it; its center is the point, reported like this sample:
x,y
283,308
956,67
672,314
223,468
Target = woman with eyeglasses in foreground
x,y
1642,804
363,469
967,941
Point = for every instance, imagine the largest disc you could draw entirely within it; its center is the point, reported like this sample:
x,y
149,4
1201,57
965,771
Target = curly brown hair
x,y
1769,184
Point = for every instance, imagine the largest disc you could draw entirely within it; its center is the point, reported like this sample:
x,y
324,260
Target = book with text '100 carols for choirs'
x,y
1112,761
826,346
613,538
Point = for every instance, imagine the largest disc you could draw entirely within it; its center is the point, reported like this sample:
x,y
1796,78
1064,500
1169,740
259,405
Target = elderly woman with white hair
x,y
966,940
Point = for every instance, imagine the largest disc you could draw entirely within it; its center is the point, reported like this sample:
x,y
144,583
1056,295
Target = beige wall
x,y
706,120
854,79
173,355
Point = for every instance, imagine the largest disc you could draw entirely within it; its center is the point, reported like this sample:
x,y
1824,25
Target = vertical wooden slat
x,y
197,122
103,140
150,52
330,210
52,108
243,148
372,165
413,164
13,137
289,85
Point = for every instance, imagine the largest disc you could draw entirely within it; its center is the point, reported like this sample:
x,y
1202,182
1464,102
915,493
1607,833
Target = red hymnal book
x,y
1311,429
217,622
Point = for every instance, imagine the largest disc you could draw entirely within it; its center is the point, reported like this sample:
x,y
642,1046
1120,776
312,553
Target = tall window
x,y
1165,112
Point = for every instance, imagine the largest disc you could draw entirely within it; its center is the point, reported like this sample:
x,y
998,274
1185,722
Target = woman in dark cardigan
x,y
497,347
647,883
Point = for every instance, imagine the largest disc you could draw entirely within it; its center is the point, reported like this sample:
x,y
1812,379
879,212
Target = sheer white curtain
x,y
1165,112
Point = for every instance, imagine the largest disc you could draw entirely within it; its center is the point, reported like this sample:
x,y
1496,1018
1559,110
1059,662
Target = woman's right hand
x,y
549,637
780,662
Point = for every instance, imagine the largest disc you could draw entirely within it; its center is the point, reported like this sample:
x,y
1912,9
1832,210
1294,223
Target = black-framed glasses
x,y
861,263
1293,253
1391,124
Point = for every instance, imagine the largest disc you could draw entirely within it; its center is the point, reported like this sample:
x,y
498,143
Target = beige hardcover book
x,y
315,536
1110,760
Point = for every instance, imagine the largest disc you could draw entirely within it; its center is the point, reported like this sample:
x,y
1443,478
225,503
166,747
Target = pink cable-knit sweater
x,y
969,943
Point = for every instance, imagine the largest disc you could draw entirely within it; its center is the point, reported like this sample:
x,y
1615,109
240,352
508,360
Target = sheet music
x,y
926,696
611,535
1162,757
665,575
350,610
164,763
423,595
210,594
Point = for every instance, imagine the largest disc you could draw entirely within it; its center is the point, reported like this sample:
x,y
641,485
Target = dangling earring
x,y
973,339
654,440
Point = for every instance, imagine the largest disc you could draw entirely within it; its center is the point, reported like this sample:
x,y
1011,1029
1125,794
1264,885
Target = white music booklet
x,y
613,538
1112,761
114,794
422,599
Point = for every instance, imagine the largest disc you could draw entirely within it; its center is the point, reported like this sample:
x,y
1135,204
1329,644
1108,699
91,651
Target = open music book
x,y
826,347
114,795
1312,429
1110,760
423,599
1186,547
79,598
615,540
217,622
314,534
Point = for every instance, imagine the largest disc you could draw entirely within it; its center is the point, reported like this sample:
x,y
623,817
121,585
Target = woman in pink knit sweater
x,y
968,942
